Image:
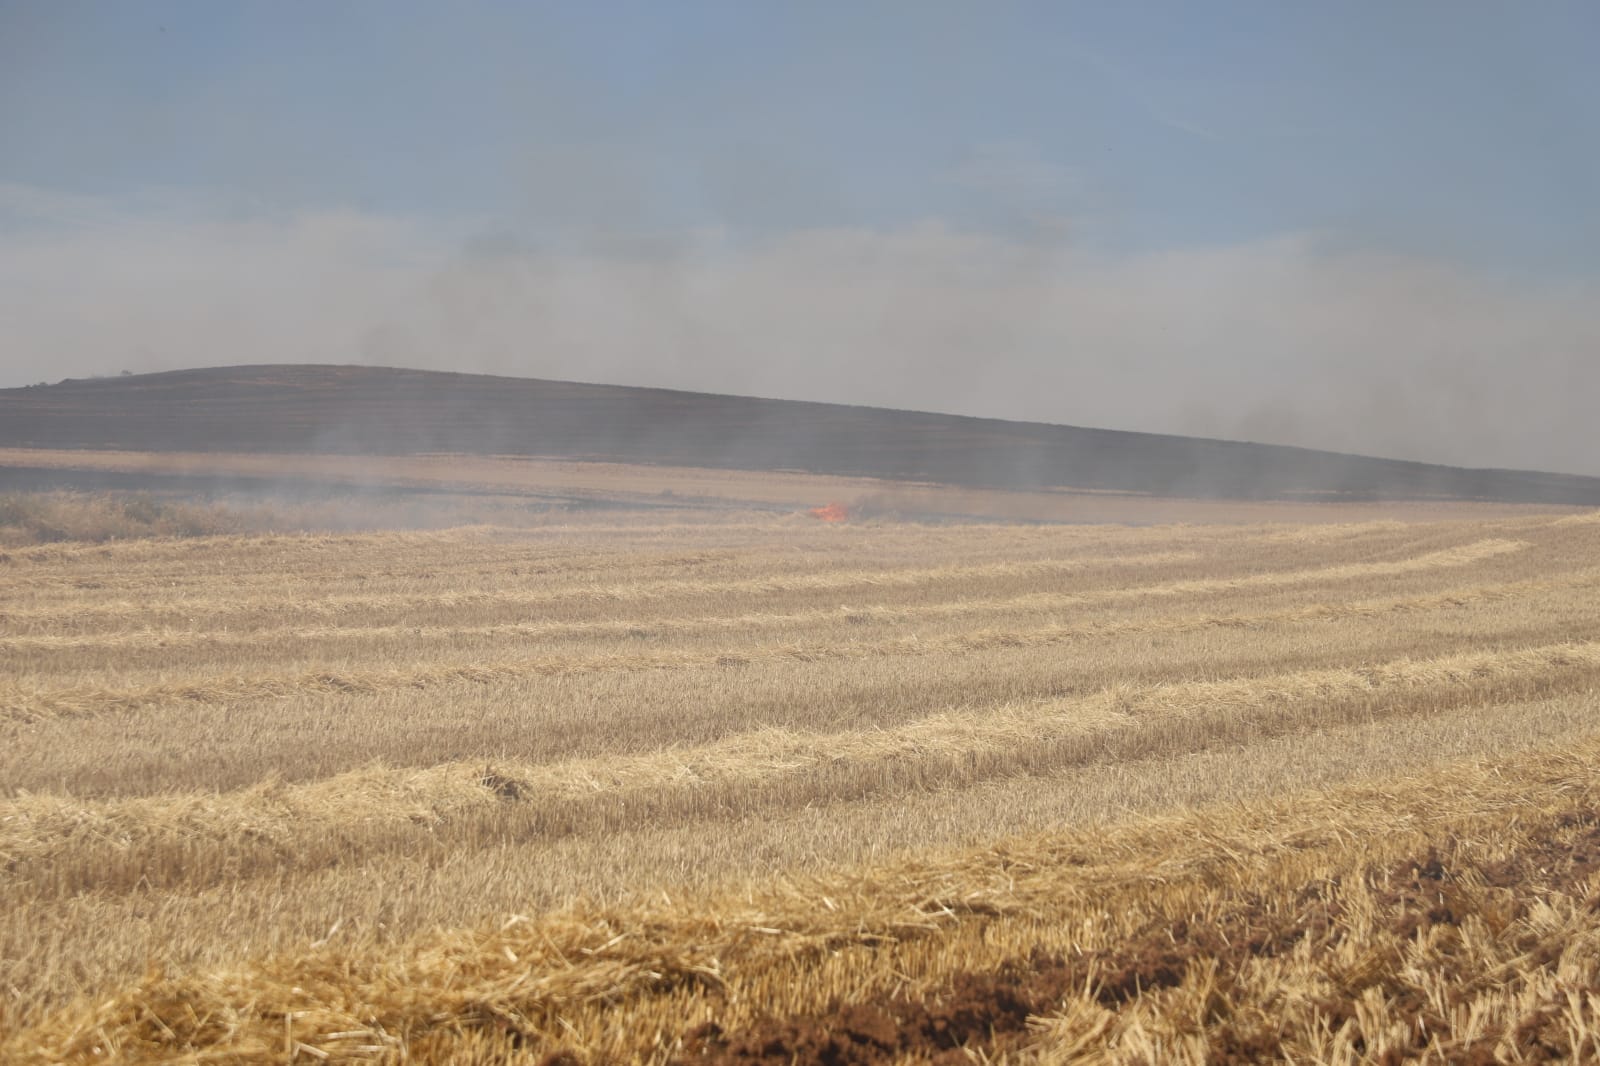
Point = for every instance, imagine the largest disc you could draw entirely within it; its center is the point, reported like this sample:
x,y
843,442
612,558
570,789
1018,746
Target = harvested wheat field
x,y
746,787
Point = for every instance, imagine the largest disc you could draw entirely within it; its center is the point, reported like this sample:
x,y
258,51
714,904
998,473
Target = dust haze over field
x,y
1143,222
224,425
799,535
1285,341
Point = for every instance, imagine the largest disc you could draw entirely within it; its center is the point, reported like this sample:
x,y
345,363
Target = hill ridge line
x,y
350,409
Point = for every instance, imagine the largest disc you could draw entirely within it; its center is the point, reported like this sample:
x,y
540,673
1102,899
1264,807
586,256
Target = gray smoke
x,y
1291,340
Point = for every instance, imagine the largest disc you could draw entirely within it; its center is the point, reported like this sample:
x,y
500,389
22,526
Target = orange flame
x,y
834,512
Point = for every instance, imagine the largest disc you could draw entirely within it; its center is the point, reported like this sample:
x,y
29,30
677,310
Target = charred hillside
x,y
374,410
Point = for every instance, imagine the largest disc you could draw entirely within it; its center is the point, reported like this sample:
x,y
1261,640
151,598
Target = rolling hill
x,y
347,410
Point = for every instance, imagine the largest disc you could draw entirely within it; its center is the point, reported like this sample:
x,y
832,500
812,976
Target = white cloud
x,y
1278,340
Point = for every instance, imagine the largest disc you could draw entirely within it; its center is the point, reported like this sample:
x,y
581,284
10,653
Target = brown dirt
x,y
991,1010
975,1010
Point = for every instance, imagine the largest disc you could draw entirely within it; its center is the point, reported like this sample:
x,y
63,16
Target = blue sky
x,y
1459,129
1053,158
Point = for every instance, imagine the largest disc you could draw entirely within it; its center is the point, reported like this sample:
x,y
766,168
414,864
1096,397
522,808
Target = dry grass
x,y
746,768
35,518
1413,919
204,838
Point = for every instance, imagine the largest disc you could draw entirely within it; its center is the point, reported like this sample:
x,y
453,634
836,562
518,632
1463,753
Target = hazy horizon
x,y
123,374
1365,230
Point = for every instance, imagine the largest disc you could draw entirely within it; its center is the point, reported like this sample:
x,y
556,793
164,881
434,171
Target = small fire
x,y
834,512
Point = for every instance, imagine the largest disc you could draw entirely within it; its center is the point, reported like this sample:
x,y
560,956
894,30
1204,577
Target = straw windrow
x,y
646,790
643,983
